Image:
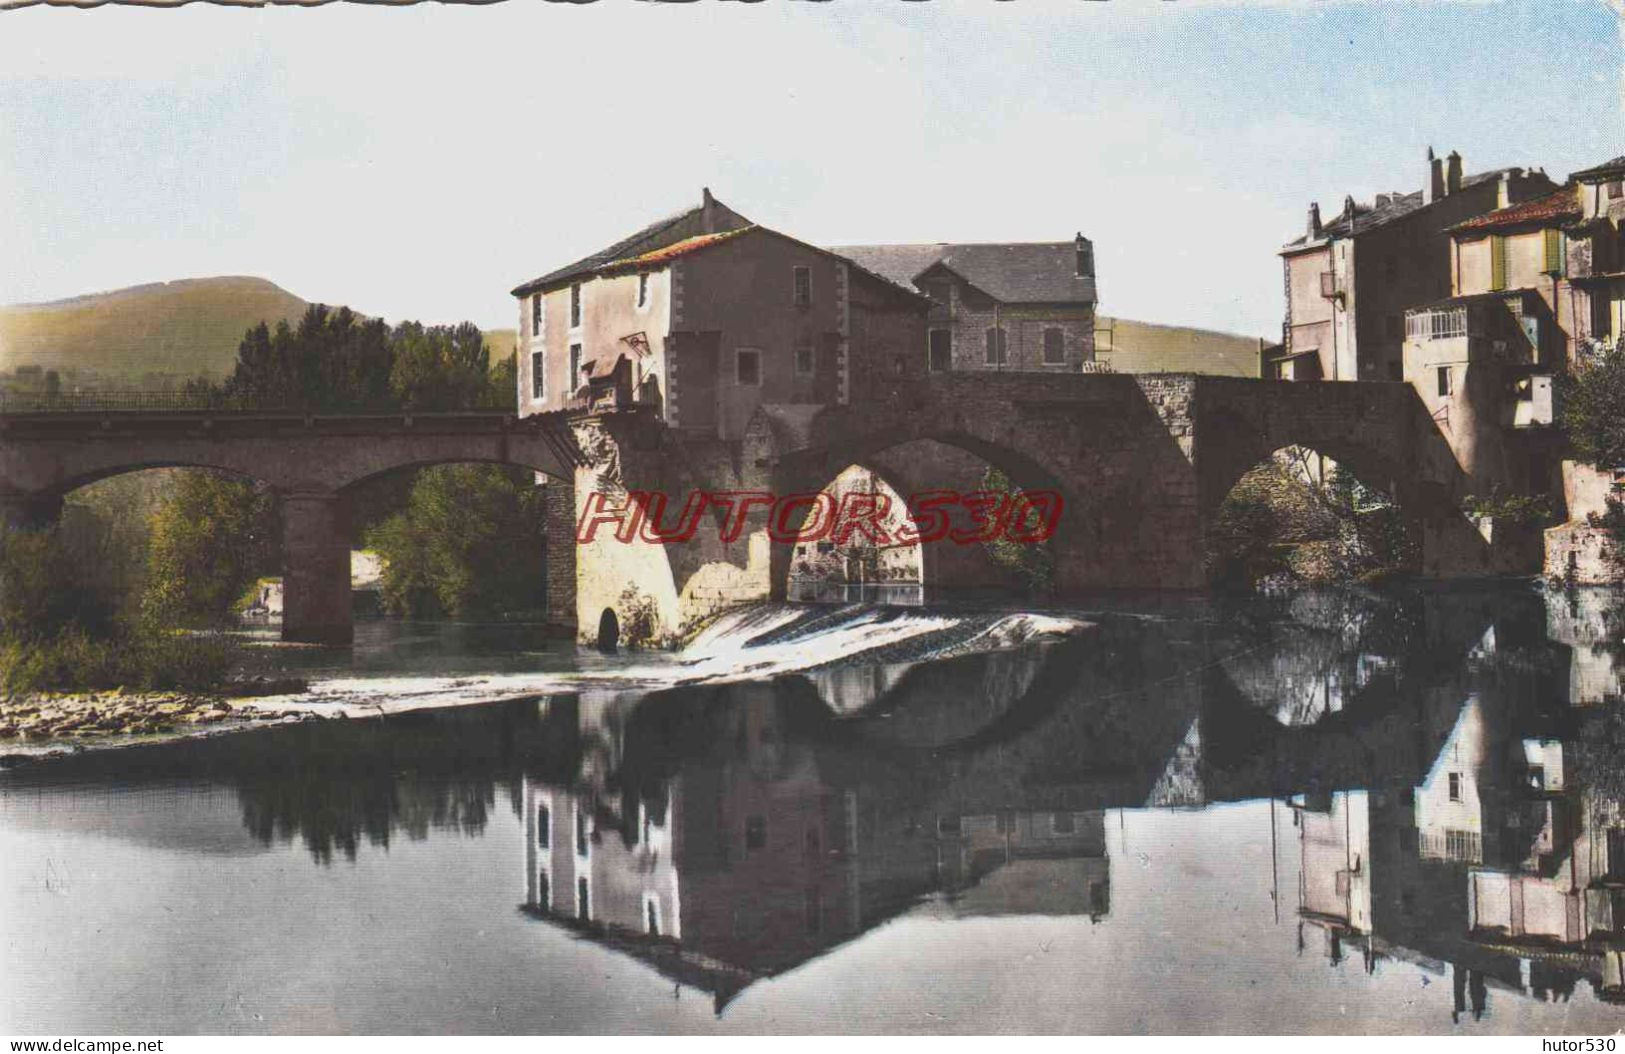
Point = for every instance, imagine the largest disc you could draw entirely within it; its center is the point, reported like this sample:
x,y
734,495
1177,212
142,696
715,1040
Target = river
x,y
1336,812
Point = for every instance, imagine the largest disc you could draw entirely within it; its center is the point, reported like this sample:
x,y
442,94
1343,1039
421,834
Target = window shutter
x,y
1554,251
1498,262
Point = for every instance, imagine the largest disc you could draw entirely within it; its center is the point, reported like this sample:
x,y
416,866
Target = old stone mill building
x,y
708,354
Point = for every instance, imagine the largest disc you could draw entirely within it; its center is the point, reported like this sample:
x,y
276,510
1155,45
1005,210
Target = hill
x,y
181,329
1128,346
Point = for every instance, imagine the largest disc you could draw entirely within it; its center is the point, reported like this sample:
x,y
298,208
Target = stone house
x,y
1003,306
703,317
1349,281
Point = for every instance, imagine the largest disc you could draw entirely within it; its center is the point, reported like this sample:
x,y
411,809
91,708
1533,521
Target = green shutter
x,y
1554,251
1498,262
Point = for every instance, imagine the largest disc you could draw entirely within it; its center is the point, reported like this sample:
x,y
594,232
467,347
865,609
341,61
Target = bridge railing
x,y
136,401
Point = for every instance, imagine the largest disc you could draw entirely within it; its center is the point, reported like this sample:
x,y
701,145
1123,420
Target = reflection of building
x,y
750,864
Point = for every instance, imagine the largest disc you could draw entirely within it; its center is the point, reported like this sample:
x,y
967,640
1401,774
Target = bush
x,y
140,660
1032,563
1594,407
469,542
212,537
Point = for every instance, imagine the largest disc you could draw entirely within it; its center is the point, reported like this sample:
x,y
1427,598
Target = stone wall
x,y
559,503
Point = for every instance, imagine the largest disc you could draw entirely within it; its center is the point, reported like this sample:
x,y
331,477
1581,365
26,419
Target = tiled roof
x,y
674,228
670,252
1014,272
1613,167
1551,209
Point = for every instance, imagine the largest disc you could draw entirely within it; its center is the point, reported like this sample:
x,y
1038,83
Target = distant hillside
x,y
1145,347
183,328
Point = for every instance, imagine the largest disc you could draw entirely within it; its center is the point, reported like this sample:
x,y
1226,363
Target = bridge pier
x,y
29,511
316,570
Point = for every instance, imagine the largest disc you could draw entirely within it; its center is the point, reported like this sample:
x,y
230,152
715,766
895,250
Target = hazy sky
x,y
420,162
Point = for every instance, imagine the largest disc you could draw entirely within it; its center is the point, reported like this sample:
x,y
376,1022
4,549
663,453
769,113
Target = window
x,y
940,350
1054,347
748,367
575,366
803,286
1063,823
538,375
1455,786
1444,381
544,827
581,833
643,289
996,346
1498,262
575,306
1553,252
651,911
583,903
536,314
544,890
1441,324
804,358
755,832
1614,189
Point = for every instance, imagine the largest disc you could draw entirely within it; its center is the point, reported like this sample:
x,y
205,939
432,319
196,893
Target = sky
x,y
420,162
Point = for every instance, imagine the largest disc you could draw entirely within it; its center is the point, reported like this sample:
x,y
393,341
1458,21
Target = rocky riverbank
x,y
40,716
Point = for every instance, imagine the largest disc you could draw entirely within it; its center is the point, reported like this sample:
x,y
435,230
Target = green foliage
x,y
46,590
1289,516
137,658
211,537
1532,510
59,627
469,542
335,359
1593,401
1032,562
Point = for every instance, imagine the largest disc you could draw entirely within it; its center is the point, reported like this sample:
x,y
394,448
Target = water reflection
x,y
1444,772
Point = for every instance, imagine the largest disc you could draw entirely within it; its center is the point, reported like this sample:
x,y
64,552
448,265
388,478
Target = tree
x,y
438,367
1594,407
212,536
469,542
330,359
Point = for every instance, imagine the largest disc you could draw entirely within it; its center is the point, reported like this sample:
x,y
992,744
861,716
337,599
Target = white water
x,y
757,642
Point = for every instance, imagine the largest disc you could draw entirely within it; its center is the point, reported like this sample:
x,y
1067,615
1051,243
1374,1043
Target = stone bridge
x,y
312,461
1142,461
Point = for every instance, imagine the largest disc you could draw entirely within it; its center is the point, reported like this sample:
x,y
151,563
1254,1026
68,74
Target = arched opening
x,y
458,541
962,492
180,545
852,546
1301,516
609,632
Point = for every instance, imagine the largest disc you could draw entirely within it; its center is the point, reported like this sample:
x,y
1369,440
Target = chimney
x,y
1314,219
1085,255
708,212
1348,209
1452,173
1503,189
1435,178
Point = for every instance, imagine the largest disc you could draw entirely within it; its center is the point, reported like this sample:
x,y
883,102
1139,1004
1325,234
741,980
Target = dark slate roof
x,y
689,223
1014,272
1369,217
1613,167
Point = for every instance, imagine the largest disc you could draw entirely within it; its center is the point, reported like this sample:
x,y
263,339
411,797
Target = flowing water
x,y
1338,812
